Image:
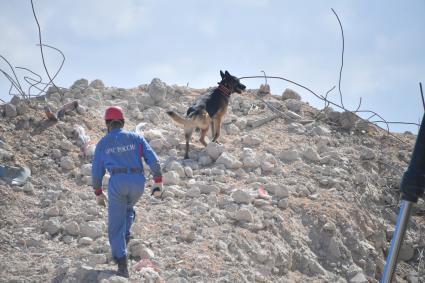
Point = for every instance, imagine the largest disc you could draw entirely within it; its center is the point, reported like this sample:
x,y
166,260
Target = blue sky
x,y
126,43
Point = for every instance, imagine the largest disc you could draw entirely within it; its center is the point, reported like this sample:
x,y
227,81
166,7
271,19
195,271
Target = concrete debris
x,y
300,197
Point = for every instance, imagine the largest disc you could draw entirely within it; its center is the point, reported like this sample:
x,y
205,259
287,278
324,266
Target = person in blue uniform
x,y
121,153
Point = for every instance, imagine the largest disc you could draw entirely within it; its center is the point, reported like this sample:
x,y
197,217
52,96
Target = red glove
x,y
157,187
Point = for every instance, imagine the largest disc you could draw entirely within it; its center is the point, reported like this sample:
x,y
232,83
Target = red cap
x,y
114,113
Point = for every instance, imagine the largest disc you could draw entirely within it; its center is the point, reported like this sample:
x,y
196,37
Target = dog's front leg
x,y
212,130
217,127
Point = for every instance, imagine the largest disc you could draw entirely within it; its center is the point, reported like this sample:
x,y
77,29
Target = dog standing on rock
x,y
208,109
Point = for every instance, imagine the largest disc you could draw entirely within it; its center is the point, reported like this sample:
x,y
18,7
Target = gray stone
x,y
290,94
249,159
22,109
208,189
177,167
81,83
268,162
158,144
10,110
311,154
205,160
188,172
242,197
407,252
296,128
138,249
87,180
67,239
320,131
97,84
145,100
232,129
56,153
359,278
262,255
293,105
329,228
171,178
66,145
67,163
193,192
15,100
229,161
244,214
91,229
280,191
367,153
51,226
72,228
86,169
157,90
53,211
28,188
347,120
214,150
283,204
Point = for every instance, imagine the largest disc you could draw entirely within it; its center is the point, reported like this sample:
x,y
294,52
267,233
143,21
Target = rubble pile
x,y
292,193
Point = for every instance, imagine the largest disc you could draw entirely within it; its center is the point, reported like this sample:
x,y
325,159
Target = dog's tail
x,y
177,118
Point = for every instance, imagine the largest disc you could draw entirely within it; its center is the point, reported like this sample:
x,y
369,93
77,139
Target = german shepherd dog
x,y
208,109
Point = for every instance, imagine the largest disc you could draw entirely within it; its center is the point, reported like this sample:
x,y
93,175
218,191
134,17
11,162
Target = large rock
x,y
86,169
81,83
242,197
268,162
348,120
293,105
171,178
367,153
290,94
407,252
157,90
10,110
51,226
67,163
229,161
244,214
278,190
214,150
97,84
249,159
91,229
72,228
311,154
145,100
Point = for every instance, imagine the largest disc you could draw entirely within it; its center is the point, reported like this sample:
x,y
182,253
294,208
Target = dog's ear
x,y
227,73
222,74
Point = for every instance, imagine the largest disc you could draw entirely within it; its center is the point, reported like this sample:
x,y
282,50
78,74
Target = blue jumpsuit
x,y
117,152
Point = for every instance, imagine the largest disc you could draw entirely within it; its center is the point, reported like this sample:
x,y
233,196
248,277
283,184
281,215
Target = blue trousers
x,y
124,190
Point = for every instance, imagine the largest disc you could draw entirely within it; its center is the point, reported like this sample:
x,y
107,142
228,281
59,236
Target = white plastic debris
x,y
88,147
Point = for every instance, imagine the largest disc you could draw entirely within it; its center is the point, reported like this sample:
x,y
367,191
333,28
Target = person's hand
x,y
157,187
101,198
